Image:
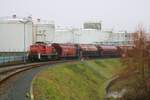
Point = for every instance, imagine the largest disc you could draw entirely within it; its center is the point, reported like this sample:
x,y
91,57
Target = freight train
x,y
42,51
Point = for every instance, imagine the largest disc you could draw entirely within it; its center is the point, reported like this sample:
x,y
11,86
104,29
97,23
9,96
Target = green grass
x,y
75,81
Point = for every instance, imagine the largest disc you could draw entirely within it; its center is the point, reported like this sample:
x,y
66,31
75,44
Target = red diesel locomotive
x,y
41,51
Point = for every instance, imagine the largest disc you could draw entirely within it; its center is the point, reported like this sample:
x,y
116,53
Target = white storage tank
x,y
43,30
92,36
64,36
12,36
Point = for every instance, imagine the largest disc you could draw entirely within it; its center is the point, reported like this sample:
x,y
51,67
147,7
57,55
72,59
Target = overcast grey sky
x,y
117,14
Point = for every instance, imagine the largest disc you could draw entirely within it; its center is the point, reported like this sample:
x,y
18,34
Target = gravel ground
x,y
18,87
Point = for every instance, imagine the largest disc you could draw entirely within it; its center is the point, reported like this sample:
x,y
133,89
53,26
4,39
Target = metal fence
x,y
8,59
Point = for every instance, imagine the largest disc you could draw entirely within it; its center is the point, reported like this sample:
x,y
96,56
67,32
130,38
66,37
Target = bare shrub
x,y
138,61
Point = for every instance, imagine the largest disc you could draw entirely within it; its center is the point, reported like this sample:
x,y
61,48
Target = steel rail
x,y
11,71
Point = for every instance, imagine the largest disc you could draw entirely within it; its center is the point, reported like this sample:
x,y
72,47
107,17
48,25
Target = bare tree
x,y
138,61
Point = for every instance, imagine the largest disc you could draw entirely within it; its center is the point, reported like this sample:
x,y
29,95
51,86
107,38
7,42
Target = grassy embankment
x,y
75,81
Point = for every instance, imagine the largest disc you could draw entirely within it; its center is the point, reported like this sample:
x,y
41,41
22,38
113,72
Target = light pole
x,y
73,32
24,22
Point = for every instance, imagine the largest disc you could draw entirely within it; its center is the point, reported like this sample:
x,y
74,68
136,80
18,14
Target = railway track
x,y
7,72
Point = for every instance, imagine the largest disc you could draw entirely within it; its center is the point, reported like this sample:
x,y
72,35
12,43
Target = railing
x,y
9,59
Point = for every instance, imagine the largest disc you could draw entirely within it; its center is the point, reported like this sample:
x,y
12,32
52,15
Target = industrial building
x,y
72,35
43,30
92,36
18,33
120,38
89,34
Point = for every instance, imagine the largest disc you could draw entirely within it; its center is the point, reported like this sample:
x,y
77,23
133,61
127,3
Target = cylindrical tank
x,y
15,34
